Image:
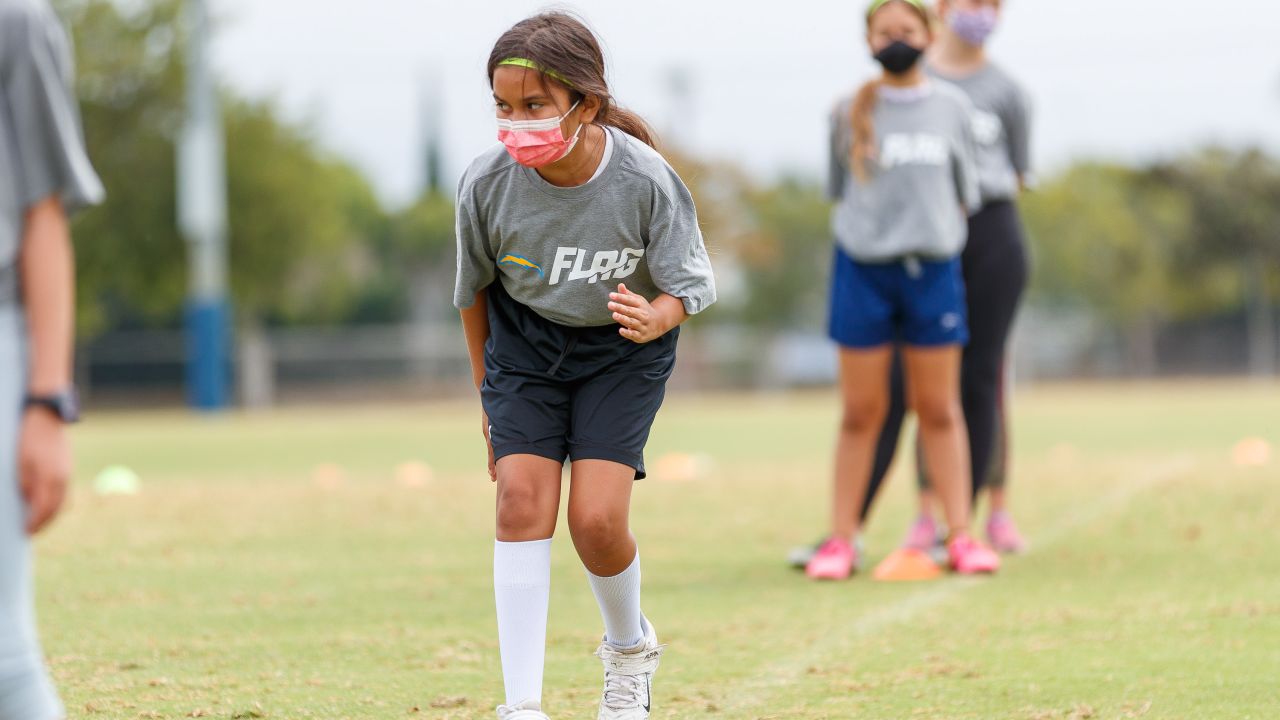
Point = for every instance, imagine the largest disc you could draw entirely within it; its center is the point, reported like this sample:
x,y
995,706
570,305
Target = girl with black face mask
x,y
904,178
994,263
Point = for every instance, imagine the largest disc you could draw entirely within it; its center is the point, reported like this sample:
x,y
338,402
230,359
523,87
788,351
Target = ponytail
x,y
864,129
864,102
611,115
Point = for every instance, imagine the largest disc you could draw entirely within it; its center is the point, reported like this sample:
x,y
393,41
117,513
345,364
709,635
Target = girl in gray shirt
x,y
994,264
904,179
579,255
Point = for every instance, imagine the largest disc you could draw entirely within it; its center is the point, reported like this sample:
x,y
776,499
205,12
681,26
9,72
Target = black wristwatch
x,y
64,404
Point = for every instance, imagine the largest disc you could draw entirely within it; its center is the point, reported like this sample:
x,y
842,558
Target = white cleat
x,y
527,710
628,678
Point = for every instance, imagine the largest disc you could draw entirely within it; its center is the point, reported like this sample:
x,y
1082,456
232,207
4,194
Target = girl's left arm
x,y
678,262
643,321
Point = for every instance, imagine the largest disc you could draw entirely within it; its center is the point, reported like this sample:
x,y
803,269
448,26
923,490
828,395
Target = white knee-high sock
x,y
619,600
522,590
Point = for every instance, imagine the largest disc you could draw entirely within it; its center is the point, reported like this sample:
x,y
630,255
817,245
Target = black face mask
x,y
898,57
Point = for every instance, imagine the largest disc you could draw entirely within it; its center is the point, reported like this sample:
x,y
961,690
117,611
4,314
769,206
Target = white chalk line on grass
x,y
752,692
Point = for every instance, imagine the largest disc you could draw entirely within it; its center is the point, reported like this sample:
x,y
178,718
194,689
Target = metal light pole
x,y
681,120
202,218
431,107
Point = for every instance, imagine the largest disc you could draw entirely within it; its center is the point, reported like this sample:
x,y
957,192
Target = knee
x,y
940,413
597,528
864,417
521,508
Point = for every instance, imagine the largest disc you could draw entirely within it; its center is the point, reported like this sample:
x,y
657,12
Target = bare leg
x,y
927,499
599,506
933,382
997,500
998,475
864,376
528,497
599,515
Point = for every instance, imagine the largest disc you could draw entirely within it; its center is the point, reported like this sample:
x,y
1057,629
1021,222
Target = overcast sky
x,y
1128,79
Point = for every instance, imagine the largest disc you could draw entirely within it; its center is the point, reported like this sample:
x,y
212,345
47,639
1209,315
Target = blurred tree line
x,y
309,241
1169,242
1137,247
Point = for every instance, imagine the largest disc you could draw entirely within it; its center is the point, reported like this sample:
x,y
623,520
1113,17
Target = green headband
x,y
877,4
521,62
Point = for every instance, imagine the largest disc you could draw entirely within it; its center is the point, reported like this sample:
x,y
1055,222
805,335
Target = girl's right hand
x,y
488,443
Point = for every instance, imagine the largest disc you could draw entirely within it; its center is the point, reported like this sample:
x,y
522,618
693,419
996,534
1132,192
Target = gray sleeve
x,y
1017,123
965,166
838,162
38,85
477,266
676,255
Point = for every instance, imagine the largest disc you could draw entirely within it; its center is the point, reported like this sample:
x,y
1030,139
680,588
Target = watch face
x,y
69,405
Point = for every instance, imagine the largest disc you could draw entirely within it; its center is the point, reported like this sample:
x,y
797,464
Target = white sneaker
x,y
527,710
628,677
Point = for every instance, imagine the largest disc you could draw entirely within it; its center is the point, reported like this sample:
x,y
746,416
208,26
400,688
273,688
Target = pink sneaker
x,y
923,535
835,560
1003,534
970,557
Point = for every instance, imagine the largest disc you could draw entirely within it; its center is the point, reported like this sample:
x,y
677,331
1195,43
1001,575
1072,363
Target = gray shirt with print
x,y
1001,126
41,148
920,183
561,251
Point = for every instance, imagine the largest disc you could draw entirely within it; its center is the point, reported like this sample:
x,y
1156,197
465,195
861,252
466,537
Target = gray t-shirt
x,y
41,147
561,251
920,183
1002,127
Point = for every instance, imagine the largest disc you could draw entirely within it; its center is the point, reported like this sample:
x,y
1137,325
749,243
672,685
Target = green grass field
x,y
240,585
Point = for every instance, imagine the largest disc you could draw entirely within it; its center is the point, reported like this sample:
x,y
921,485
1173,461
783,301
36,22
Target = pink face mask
x,y
537,143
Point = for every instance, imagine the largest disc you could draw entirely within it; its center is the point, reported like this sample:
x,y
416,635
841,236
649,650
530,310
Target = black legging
x,y
995,274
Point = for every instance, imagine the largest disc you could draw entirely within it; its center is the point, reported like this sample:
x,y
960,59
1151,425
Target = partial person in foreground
x,y
904,178
44,175
579,256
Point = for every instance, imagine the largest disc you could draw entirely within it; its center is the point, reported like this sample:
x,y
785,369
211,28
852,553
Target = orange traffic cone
x,y
907,565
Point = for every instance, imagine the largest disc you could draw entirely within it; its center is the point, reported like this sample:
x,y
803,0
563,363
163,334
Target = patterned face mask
x,y
974,26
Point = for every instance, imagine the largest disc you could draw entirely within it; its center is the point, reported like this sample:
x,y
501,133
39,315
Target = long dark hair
x,y
566,51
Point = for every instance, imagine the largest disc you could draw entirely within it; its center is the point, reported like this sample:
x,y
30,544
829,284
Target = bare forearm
x,y
47,268
642,321
671,311
475,326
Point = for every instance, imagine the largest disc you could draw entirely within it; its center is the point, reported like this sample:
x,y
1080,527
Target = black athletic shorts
x,y
561,392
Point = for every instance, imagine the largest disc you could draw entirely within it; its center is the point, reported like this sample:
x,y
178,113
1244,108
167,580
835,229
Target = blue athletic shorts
x,y
917,302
